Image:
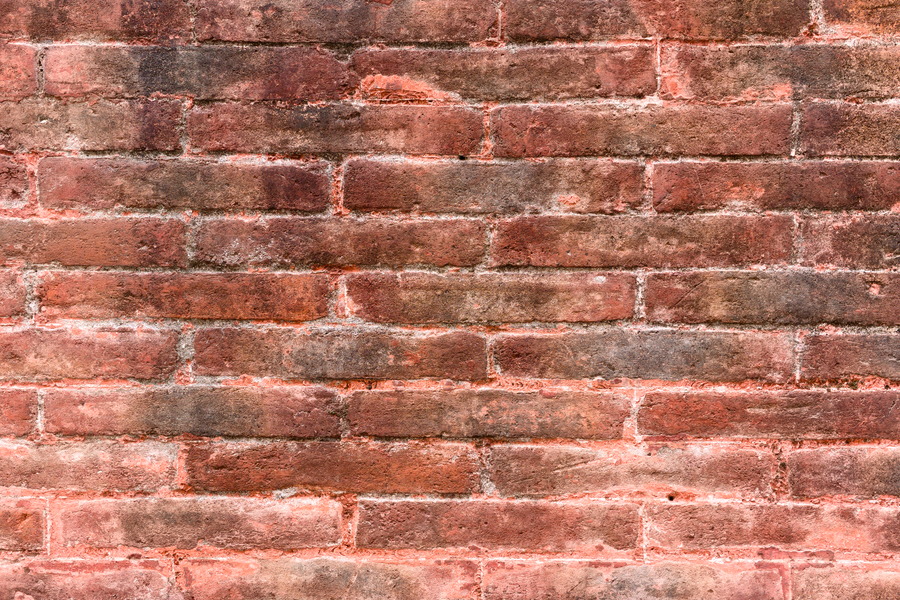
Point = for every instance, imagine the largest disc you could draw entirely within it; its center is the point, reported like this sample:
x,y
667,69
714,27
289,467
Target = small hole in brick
x,y
670,497
461,157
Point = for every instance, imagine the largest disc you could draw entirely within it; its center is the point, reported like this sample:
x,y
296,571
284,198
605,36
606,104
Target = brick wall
x,y
449,299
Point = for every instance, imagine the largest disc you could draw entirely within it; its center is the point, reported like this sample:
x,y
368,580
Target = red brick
x,y
87,580
18,410
531,20
356,467
137,20
866,472
335,128
106,183
819,185
12,294
13,183
842,129
785,297
830,357
18,76
37,124
700,527
195,410
571,185
490,297
499,74
855,242
330,578
48,354
777,72
204,73
651,241
98,465
187,523
795,414
660,471
498,525
294,242
862,17
346,21
97,295
492,413
845,581
576,580
22,524
574,130
339,354
658,354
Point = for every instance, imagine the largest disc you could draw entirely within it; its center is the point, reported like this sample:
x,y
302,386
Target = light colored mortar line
x,y
796,124
39,424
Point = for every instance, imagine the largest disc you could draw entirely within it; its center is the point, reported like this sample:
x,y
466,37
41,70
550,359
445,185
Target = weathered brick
x,y
498,525
13,183
88,580
862,17
844,129
492,413
296,242
652,241
330,579
490,297
845,581
98,465
819,185
831,357
335,128
95,242
571,185
48,354
496,74
18,411
339,354
358,467
657,354
204,73
866,472
346,20
37,124
780,72
662,470
785,297
98,295
187,523
106,183
195,410
12,294
795,414
576,580
574,130
855,242
22,524
18,73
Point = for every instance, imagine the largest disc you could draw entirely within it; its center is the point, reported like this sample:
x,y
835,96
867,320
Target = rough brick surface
x,y
449,300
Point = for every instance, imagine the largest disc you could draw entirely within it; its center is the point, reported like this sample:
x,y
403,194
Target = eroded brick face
x,y
449,300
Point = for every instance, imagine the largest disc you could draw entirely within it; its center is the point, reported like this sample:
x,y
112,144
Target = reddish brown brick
x,y
576,580
295,242
47,354
658,354
490,297
88,580
663,470
18,76
785,297
195,410
571,185
204,73
37,124
652,241
339,354
831,357
843,129
574,130
234,523
845,581
494,74
13,183
357,467
335,128
855,242
12,294
18,410
861,471
330,578
97,295
346,21
22,524
796,414
489,413
862,17
98,465
106,183
821,185
498,525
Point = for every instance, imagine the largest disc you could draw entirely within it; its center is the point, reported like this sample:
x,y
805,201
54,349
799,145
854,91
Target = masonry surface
x,y
449,300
